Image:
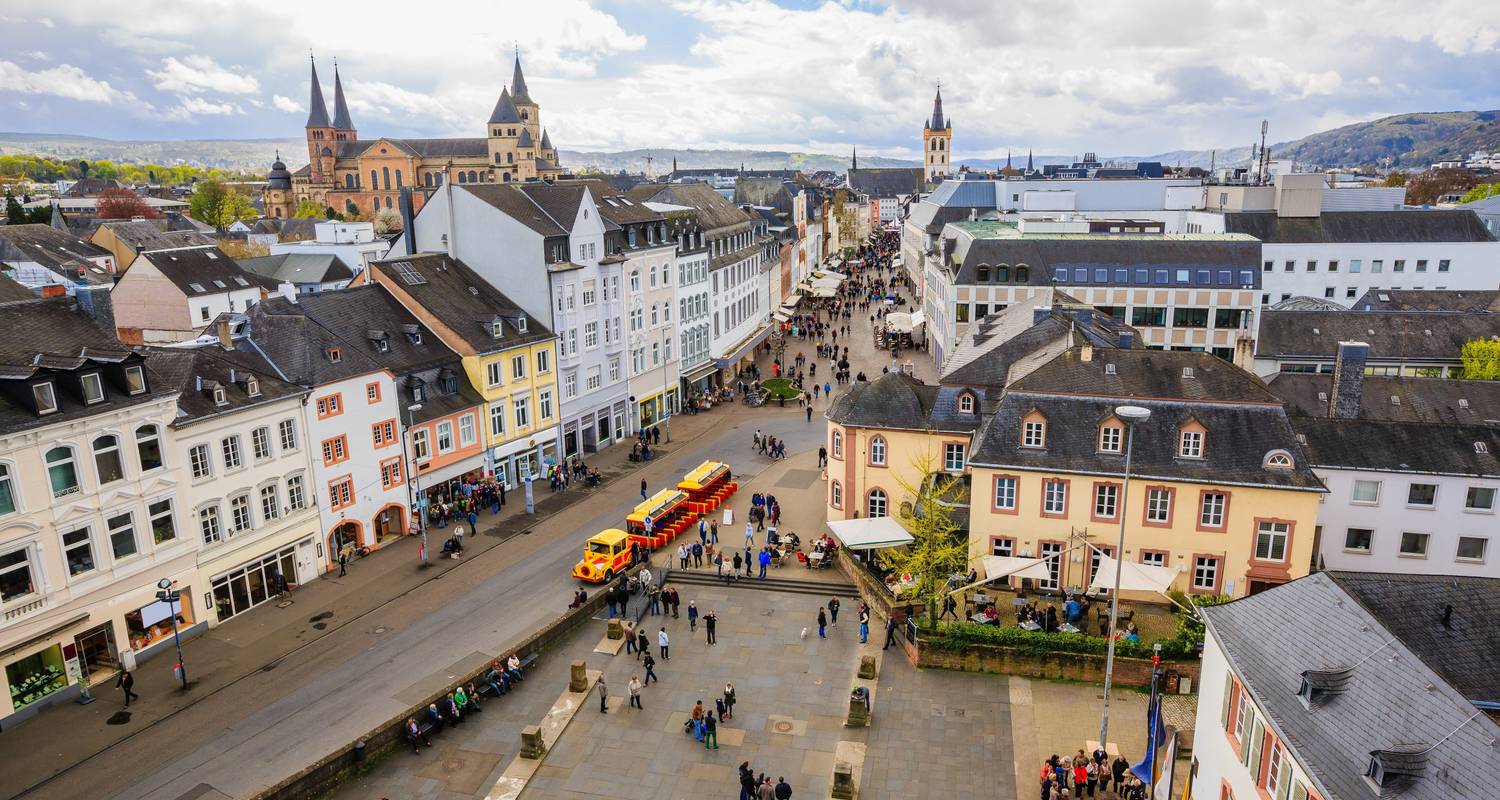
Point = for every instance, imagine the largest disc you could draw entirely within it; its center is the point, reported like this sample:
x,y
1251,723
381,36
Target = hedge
x,y
1182,647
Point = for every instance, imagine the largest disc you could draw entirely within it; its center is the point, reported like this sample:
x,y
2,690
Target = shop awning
x,y
828,273
742,349
792,301
824,291
431,478
898,321
832,283
997,567
780,315
918,319
699,373
1133,577
872,533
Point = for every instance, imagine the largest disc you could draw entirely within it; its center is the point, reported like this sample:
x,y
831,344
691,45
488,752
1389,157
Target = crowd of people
x,y
1082,775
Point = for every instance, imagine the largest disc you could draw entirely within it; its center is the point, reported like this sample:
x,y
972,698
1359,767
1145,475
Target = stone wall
x,y
1086,667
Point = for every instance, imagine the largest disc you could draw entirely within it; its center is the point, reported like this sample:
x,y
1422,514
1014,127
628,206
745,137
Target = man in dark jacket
x,y
783,789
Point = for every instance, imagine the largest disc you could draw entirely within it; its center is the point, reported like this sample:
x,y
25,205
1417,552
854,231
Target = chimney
x,y
221,327
408,222
1127,340
1348,380
1087,353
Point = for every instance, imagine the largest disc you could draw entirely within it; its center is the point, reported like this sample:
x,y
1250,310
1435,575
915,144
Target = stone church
x,y
350,174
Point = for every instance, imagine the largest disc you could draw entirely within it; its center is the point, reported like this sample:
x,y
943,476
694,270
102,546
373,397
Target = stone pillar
x,y
867,667
616,630
843,780
532,745
859,713
579,682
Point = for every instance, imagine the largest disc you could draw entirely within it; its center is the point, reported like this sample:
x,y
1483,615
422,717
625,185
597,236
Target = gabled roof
x,y
525,139
615,205
297,268
432,148
714,212
1148,375
1442,225
193,371
1434,400
141,235
12,292
559,201
1425,335
92,187
887,183
51,248
465,302
1000,347
518,205
1429,300
896,400
1398,695
198,271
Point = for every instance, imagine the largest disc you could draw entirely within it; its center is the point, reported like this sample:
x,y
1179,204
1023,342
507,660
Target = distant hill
x,y
661,160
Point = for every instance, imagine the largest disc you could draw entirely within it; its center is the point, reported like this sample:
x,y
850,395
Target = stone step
x,y
771,584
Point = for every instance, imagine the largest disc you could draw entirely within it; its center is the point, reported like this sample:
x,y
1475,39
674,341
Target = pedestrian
x,y
643,488
682,555
713,533
698,555
603,695
827,389
833,611
765,561
126,682
629,639
676,603
864,623
729,700
822,457
719,563
696,717
635,693
949,608
710,732
890,631
738,562
343,562
650,665
710,622
663,641
765,791
642,645
822,623
749,535
702,530
655,600
783,789
809,415
747,782
692,616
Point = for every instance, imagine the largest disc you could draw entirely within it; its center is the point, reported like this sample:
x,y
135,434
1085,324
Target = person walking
x,y
765,561
710,622
833,611
698,555
890,631
822,456
635,693
126,682
738,563
676,604
650,665
749,535
642,644
822,623
864,623
692,616
663,641
827,390
729,700
809,414
783,789
643,488
343,562
603,696
710,732
702,531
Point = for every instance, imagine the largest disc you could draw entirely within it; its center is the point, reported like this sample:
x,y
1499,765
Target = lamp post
x,y
1131,415
666,399
172,597
414,486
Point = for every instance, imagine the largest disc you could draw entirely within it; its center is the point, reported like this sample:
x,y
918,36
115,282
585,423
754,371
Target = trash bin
x,y
359,751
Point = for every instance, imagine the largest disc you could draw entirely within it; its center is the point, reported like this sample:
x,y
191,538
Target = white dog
x,y
804,633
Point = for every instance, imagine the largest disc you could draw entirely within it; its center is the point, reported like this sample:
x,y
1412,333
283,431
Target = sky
x,y
1060,76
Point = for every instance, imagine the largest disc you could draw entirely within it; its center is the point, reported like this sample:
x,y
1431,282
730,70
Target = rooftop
x,y
472,308
297,268
1447,401
196,371
896,400
1400,335
1429,300
1002,229
198,271
1442,225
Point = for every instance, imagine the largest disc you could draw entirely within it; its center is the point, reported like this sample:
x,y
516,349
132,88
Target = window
x,y
1191,445
1358,540
544,404
260,443
335,449
497,419
1365,492
1054,497
341,493
836,494
62,473
239,514
1274,769
876,507
1109,438
1443,265
372,389
1278,459
518,367
1414,544
270,502
1312,265
445,437
383,433
78,552
1034,434
330,406
295,498
288,431
1270,540
1471,548
1148,317
1154,558
1002,546
953,456
1206,574
93,389
1159,505
135,380
1106,497
1356,264
163,529
877,451
591,334
7,491
198,458
1333,266
543,362
838,444
1399,265
522,407
390,473
107,459
419,445
1422,495
467,435
1479,498
966,403
122,542
1377,266
570,385
208,524
1211,511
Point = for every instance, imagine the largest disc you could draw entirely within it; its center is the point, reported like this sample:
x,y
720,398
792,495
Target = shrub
x,y
780,387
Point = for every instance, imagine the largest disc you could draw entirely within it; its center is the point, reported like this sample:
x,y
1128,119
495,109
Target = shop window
x,y
36,676
152,623
252,584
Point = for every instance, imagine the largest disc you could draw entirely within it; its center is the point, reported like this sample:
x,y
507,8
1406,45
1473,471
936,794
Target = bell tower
x,y
937,136
320,132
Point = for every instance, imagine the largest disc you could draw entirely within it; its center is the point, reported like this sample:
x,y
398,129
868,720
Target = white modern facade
x,y
355,243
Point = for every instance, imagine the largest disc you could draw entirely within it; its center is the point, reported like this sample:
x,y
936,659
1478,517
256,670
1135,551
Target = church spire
x,y
341,120
854,159
1029,167
317,115
505,110
518,82
1007,161
937,111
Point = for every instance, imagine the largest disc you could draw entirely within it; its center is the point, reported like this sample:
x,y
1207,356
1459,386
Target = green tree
x,y
83,169
1396,179
1481,358
219,205
1431,185
938,549
309,209
14,213
1480,192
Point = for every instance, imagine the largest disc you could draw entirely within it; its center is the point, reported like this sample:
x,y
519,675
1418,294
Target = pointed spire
x,y
341,120
1007,161
518,82
546,140
674,163
854,159
317,110
505,109
1029,167
937,110
525,140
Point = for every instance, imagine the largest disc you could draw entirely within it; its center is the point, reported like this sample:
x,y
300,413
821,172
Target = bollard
x,y
843,781
859,710
867,667
359,751
532,746
578,683
616,630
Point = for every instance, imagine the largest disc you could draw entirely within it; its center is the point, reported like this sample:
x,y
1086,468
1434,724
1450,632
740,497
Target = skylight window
x,y
197,287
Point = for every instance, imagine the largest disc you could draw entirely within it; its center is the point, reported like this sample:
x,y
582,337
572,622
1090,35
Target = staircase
x,y
772,583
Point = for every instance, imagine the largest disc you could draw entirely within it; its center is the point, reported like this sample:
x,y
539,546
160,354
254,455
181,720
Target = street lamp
x,y
414,486
666,399
172,597
1131,415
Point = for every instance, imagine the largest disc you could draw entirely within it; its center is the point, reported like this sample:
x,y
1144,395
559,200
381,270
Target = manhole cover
x,y
781,726
453,764
118,718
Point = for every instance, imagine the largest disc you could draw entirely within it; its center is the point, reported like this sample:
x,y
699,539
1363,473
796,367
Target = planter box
x,y
1085,667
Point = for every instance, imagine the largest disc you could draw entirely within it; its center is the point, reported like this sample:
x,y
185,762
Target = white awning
x,y
792,301
824,291
918,319
828,273
871,533
996,567
1136,577
780,315
831,283
898,321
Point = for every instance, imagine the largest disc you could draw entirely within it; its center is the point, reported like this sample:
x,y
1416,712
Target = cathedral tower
x,y
320,133
937,136
343,126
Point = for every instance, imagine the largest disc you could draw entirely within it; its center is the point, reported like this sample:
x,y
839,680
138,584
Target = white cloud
x,y
46,22
286,104
198,73
190,107
37,55
63,80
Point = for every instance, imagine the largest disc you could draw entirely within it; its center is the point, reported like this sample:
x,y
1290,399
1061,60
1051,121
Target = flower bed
x,y
780,388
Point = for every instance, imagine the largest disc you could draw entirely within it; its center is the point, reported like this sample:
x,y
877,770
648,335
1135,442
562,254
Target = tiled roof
x,y
1394,698
1428,300
1044,255
194,371
519,206
1436,449
1148,374
714,212
198,271
141,235
1427,335
12,292
297,268
1434,400
560,202
896,400
1002,347
1360,227
53,249
887,183
464,301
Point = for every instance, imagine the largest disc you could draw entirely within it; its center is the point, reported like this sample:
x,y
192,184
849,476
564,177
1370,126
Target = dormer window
x,y
45,397
520,324
1278,459
966,403
1002,274
1190,444
93,388
252,386
1034,431
221,398
334,354
413,333
380,341
1111,438
1023,274
983,273
418,392
497,329
135,380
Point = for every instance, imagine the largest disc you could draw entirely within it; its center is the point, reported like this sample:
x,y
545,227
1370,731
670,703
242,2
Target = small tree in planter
x,y
938,549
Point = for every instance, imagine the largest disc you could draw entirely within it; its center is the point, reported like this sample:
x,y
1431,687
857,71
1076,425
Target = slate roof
x,y
505,110
317,114
462,300
139,235
297,268
998,348
1436,449
887,183
180,368
341,120
1393,699
12,292
559,201
53,249
1425,335
1044,255
1434,400
525,140
899,401
965,194
714,212
1428,300
931,217
1148,374
518,205
198,272
92,187
1442,225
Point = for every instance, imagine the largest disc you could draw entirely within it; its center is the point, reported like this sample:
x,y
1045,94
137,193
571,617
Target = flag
x,y
1156,738
1167,759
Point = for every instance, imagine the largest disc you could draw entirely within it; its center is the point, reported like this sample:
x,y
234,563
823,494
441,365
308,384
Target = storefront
x,y
699,380
151,624
32,678
512,462
252,584
656,407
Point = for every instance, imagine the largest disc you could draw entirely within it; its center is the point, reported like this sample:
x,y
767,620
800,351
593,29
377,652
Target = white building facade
x,y
355,243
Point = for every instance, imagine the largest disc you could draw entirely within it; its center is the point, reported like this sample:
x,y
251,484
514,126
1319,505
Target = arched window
x,y
984,273
838,444
107,459
349,181
463,177
62,473
635,280
427,179
505,177
148,447
836,494
877,505
1279,459
398,179
966,403
374,205
386,172
1023,274
374,179
877,451
1002,274
473,176
388,202
510,158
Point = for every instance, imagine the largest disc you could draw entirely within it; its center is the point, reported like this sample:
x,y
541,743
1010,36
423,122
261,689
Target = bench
x,y
488,690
